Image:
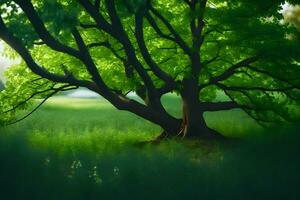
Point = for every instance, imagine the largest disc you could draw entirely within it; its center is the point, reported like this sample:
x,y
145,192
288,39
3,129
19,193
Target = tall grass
x,y
85,149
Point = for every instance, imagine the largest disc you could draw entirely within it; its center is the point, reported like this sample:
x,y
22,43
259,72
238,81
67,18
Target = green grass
x,y
85,149
82,116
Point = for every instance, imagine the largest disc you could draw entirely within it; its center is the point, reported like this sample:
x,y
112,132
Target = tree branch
x,y
139,35
229,72
154,25
41,30
27,99
197,23
258,120
40,104
207,62
97,4
123,38
17,45
218,106
89,63
273,76
177,37
88,26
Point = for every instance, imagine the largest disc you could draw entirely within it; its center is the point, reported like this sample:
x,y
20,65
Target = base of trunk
x,y
199,133
206,133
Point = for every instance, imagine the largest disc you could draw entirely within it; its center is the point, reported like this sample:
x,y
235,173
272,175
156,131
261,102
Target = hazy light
x,y
4,61
83,93
291,14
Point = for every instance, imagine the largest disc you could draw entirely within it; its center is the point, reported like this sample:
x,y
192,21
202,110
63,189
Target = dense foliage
x,y
237,48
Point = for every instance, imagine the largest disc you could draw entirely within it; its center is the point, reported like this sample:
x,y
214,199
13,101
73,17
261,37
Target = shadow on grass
x,y
265,167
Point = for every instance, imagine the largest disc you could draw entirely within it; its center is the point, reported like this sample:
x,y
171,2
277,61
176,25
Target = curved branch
x,y
17,45
213,59
89,63
27,99
155,26
273,76
117,31
231,70
139,35
99,19
41,30
123,38
88,26
218,106
40,104
258,120
177,38
259,109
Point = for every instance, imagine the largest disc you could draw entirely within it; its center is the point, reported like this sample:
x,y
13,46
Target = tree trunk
x,y
193,123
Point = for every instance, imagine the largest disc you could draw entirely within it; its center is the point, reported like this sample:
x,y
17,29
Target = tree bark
x,y
193,122
194,125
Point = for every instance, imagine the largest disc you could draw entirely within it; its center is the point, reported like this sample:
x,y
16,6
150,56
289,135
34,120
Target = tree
x,y
196,48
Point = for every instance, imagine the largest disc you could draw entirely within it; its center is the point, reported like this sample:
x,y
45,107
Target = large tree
x,y
196,48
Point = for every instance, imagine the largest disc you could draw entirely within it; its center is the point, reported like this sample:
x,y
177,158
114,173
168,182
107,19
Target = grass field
x,y
85,149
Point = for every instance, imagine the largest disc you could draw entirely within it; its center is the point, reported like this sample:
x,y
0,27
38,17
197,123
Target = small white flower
x,y
116,171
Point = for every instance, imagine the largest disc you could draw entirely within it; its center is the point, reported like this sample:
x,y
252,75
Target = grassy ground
x,y
85,149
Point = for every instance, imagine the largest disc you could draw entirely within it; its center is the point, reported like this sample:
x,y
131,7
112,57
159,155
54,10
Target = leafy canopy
x,y
246,51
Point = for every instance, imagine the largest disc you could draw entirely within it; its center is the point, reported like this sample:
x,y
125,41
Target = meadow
x,y
86,149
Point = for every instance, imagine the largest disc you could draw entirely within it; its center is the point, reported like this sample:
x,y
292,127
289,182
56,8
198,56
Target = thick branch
x,y
17,45
139,34
99,44
89,64
155,26
97,4
41,30
99,19
218,106
177,38
197,23
88,26
116,30
230,71
122,37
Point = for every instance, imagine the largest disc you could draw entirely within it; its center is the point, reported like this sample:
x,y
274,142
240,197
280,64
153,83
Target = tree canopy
x,y
196,48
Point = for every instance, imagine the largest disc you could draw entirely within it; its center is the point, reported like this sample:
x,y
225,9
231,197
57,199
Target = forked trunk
x,y
192,124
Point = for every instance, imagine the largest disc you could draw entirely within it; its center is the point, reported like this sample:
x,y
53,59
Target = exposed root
x,y
204,134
